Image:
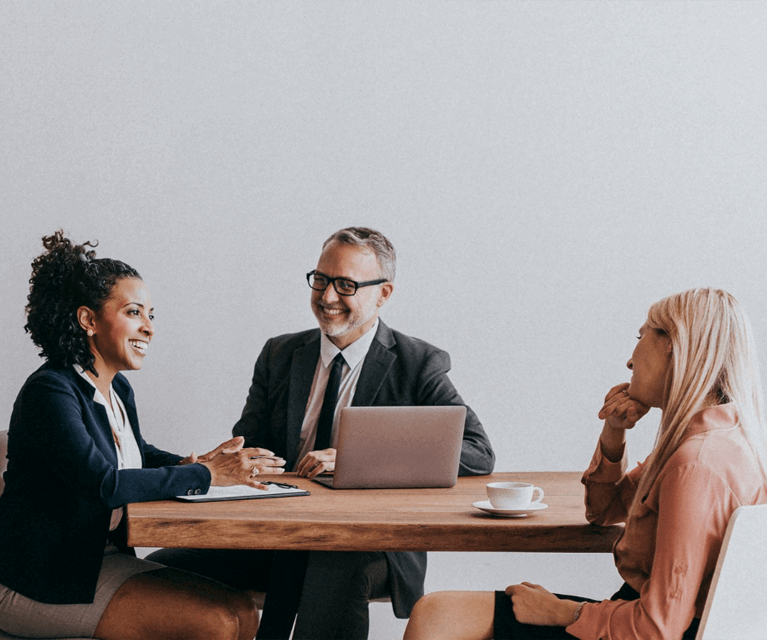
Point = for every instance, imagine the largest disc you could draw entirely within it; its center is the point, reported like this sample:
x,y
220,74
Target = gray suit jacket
x,y
398,371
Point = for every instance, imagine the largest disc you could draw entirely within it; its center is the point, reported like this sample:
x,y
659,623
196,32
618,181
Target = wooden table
x,y
377,520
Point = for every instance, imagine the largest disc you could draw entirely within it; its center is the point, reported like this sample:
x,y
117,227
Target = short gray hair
x,y
373,240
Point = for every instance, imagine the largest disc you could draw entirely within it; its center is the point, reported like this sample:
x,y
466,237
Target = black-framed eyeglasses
x,y
343,286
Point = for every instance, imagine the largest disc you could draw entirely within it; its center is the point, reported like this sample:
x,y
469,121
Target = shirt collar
x,y
97,397
721,416
354,353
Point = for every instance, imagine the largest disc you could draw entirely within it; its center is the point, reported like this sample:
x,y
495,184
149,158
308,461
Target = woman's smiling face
x,y
122,328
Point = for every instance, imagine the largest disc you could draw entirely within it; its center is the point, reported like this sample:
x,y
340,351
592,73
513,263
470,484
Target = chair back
x,y
736,606
3,459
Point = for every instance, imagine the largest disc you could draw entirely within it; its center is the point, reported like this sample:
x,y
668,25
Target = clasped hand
x,y
620,413
230,463
620,410
534,605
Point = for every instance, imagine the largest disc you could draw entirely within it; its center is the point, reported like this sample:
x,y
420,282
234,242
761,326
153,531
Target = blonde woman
x,y
696,361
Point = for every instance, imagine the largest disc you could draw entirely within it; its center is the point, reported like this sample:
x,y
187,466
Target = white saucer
x,y
510,513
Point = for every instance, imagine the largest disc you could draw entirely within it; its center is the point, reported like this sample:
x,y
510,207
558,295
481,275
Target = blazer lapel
x,y
301,376
376,367
130,406
104,439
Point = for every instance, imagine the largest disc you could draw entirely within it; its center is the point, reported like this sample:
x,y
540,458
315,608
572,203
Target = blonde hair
x,y
713,361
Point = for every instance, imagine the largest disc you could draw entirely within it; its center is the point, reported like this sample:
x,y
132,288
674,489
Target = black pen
x,y
282,485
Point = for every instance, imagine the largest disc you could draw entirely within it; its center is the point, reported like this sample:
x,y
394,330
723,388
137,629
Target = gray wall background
x,y
546,171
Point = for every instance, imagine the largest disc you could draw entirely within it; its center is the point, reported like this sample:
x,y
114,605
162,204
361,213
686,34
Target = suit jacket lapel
x,y
301,376
376,367
130,407
106,441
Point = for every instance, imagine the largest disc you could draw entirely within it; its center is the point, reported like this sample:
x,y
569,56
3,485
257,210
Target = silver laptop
x,y
397,447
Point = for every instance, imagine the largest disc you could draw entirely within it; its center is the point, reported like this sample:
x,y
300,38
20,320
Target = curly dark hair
x,y
64,278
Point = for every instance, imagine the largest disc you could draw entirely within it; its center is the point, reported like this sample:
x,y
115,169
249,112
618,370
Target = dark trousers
x,y
240,569
335,595
506,627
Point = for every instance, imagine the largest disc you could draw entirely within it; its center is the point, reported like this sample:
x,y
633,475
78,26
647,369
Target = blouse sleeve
x,y
609,489
694,505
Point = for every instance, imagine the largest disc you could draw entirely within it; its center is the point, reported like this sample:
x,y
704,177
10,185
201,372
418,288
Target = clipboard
x,y
244,492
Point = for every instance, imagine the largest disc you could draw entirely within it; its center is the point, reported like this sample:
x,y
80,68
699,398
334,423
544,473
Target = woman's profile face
x,y
123,328
651,365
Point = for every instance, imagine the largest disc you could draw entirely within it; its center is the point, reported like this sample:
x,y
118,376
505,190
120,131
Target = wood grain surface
x,y
377,520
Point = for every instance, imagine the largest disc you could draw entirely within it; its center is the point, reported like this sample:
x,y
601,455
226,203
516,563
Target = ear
x,y
387,288
87,319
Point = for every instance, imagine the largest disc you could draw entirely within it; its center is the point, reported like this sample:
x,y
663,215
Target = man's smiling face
x,y
345,318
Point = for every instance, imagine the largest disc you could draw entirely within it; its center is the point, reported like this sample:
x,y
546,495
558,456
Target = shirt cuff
x,y
603,471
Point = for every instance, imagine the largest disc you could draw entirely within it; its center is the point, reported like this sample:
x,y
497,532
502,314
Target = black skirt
x,y
506,627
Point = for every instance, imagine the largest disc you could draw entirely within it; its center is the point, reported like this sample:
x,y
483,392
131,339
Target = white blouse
x,y
126,447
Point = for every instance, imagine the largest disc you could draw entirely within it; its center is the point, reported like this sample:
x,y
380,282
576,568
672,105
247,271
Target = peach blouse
x,y
669,551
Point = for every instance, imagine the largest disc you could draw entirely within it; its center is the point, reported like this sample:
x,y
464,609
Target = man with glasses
x,y
300,383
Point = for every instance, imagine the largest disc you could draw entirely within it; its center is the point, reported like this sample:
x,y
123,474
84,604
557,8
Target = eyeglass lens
x,y
344,287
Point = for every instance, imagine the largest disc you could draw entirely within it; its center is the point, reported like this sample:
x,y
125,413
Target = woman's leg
x,y
457,615
169,604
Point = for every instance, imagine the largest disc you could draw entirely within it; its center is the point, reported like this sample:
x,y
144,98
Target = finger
x,y
618,388
224,446
257,452
617,407
511,589
264,461
632,417
252,482
233,446
635,411
316,470
615,399
272,471
307,462
326,455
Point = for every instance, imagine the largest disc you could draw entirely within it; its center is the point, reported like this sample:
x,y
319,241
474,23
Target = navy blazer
x,y
398,371
62,484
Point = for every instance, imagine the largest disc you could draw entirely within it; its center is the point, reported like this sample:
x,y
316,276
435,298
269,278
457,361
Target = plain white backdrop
x,y
546,170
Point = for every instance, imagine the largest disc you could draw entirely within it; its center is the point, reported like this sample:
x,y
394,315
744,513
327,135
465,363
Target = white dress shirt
x,y
354,357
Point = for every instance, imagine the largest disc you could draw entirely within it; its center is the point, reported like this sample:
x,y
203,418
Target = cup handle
x,y
539,498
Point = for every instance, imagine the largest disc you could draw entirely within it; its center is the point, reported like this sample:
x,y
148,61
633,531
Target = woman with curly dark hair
x,y
76,457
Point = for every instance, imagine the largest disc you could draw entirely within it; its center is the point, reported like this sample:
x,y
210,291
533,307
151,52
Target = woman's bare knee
x,y
246,609
236,619
149,607
452,614
219,623
432,604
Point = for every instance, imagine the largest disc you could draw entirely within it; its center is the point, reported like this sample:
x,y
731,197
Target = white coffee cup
x,y
513,495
